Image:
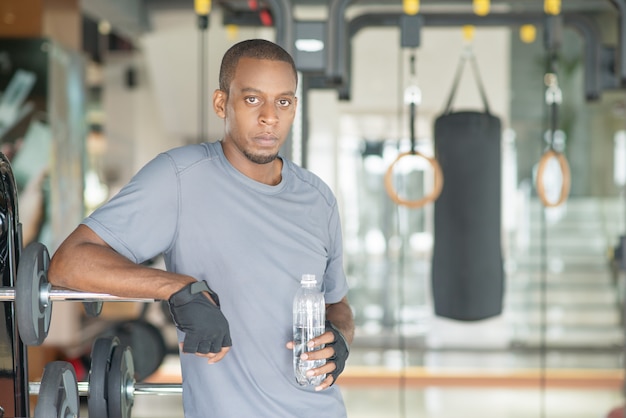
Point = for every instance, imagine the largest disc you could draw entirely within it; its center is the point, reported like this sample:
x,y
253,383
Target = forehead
x,y
264,75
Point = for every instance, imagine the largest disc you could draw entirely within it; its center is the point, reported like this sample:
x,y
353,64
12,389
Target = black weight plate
x,y
101,356
93,309
33,313
58,393
147,343
121,383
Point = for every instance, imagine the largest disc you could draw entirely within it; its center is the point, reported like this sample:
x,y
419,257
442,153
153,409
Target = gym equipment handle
x,y
437,187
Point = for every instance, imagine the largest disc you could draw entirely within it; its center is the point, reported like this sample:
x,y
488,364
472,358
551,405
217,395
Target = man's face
x,y
259,108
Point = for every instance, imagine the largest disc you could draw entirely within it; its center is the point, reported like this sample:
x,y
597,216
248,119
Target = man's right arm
x,y
85,262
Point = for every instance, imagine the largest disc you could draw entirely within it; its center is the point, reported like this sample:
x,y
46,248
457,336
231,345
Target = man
x,y
237,225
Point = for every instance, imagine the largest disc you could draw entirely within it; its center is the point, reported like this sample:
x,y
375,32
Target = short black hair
x,y
252,48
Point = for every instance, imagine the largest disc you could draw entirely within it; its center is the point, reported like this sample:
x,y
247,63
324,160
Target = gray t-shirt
x,y
251,242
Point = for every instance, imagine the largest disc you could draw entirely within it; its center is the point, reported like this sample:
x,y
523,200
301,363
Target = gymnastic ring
x,y
541,191
437,187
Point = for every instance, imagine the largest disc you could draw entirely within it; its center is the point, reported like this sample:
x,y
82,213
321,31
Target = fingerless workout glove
x,y
342,350
205,327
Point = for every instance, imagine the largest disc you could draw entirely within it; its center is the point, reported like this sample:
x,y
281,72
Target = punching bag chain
x,y
202,8
413,106
412,97
554,98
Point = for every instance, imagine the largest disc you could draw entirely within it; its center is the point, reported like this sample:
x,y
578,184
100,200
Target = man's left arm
x,y
340,315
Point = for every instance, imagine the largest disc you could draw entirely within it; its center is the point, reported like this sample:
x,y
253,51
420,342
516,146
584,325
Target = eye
x,y
284,102
252,100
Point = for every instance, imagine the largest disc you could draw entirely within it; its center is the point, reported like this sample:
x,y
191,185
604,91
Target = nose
x,y
268,115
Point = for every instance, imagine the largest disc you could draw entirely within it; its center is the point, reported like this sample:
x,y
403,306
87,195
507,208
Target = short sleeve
x,y
140,221
335,283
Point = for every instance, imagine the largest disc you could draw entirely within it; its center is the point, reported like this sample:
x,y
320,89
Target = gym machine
x,y
13,370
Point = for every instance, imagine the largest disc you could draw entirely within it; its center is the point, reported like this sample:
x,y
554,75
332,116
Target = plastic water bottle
x,y
309,318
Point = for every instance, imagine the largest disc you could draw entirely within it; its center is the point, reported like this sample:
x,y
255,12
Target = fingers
x,y
190,344
326,338
212,357
211,299
326,369
321,354
326,383
215,357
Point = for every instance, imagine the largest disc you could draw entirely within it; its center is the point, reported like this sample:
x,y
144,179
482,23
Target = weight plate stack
x,y
58,393
147,344
101,356
121,383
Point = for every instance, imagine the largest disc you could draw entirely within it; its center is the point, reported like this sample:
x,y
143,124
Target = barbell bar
x,y
33,295
56,294
111,387
142,389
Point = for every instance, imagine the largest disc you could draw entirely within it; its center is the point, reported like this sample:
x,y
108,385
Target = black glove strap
x,y
187,293
342,351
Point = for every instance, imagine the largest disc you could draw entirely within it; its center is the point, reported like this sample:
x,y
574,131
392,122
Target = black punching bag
x,y
467,269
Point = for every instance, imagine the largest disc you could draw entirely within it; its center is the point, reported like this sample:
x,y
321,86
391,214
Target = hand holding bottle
x,y
320,350
335,352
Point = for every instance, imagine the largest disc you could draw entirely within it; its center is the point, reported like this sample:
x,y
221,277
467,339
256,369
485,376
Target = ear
x,y
219,103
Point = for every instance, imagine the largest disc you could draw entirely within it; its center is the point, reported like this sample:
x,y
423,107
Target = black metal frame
x,y
586,27
13,353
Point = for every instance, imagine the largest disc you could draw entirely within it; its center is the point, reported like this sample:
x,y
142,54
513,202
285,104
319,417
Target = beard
x,y
259,158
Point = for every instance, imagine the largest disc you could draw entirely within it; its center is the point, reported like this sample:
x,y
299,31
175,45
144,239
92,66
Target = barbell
x,y
111,387
33,295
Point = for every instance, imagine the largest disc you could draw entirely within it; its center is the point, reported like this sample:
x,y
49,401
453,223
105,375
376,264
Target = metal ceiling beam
x,y
336,32
585,26
335,35
283,22
127,17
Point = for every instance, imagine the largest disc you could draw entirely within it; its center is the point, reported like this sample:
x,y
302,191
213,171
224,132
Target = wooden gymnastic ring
x,y
541,191
438,183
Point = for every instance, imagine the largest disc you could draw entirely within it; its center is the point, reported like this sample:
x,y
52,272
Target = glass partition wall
x,y
561,322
